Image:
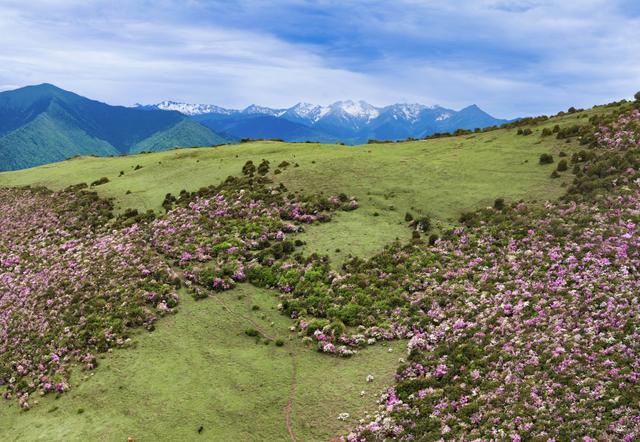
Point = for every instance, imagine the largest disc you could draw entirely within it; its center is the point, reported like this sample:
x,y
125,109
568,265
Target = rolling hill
x,y
43,124
230,385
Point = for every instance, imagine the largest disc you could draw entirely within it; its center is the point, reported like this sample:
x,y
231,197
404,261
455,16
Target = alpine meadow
x,y
234,271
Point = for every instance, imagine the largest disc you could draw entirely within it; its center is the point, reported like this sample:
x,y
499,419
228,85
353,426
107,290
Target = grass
x,y
440,178
198,368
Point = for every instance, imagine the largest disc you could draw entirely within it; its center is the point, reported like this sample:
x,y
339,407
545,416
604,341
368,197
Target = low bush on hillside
x,y
524,132
546,158
562,165
99,182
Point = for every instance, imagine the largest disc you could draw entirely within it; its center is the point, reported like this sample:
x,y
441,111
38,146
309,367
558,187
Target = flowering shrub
x,y
74,279
213,233
528,320
69,287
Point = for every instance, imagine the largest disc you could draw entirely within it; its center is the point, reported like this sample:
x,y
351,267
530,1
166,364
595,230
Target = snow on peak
x,y
360,110
192,109
255,109
308,111
305,109
443,116
406,111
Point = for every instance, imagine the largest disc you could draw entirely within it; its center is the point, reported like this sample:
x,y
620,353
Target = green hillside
x,y
198,368
43,124
46,139
441,178
185,130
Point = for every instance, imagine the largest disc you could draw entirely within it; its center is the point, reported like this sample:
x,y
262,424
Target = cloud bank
x,y
511,57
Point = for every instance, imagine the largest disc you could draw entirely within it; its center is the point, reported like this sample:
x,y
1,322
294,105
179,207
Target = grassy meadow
x,y
440,178
199,368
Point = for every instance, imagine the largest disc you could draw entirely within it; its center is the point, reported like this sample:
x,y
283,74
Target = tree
x,y
637,96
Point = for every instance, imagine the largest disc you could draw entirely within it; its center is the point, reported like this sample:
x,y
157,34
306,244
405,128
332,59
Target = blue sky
x,y
511,57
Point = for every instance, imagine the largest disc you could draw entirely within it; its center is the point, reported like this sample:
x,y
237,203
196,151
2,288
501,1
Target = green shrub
x,y
101,181
546,158
562,166
249,169
263,168
498,204
252,332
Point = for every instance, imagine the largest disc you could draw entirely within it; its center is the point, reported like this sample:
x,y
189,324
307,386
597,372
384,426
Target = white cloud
x,y
510,57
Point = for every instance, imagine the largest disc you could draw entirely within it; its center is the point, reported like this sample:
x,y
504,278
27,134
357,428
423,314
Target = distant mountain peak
x,y
346,120
358,109
187,108
473,107
255,109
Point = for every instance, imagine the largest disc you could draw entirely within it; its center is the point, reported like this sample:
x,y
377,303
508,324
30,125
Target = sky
x,y
510,57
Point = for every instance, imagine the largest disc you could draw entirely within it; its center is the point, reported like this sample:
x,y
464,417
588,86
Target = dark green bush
x,y
101,181
562,166
249,169
546,158
263,168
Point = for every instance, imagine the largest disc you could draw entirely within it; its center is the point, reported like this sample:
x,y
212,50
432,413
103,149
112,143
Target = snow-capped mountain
x,y
261,110
348,121
187,108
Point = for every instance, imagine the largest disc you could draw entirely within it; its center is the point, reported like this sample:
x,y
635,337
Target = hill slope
x,y
440,177
217,376
42,124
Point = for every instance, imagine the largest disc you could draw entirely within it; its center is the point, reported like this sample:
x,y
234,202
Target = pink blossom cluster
x,y
69,287
529,327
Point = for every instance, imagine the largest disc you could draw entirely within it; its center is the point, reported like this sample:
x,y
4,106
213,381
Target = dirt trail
x,y
288,409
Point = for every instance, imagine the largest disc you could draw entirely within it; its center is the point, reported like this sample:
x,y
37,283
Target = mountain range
x,y
347,121
43,124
